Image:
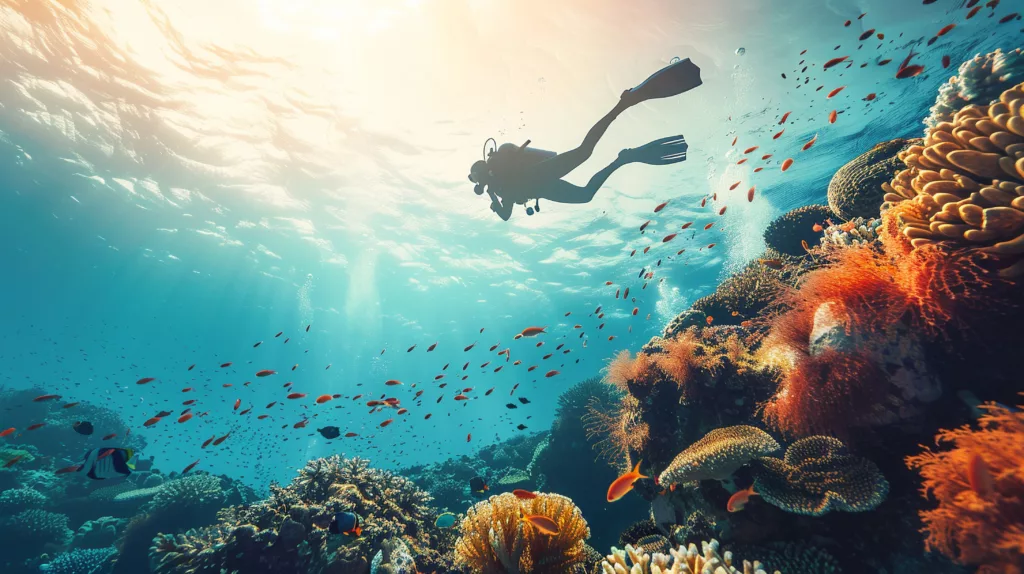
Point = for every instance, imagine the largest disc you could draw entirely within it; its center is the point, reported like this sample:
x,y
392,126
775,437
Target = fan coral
x,y
678,561
856,188
788,233
496,540
976,522
17,499
818,475
573,402
617,431
719,454
683,356
79,561
966,183
978,81
625,369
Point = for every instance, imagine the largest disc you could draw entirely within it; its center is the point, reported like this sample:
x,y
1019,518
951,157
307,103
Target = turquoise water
x,y
180,183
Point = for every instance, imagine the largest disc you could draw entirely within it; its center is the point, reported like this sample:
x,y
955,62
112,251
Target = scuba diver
x,y
514,174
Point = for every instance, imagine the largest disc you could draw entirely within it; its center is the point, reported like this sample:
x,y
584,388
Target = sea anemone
x,y
497,540
967,180
979,485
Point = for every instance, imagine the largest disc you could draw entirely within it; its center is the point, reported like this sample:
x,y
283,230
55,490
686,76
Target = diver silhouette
x,y
516,174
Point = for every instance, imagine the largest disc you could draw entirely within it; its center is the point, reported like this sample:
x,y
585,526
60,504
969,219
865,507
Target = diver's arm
x,y
503,211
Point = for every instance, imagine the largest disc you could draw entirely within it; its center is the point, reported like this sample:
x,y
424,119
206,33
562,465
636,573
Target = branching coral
x,y
15,500
979,486
625,369
88,561
967,183
719,454
617,431
855,189
679,561
818,475
858,232
496,540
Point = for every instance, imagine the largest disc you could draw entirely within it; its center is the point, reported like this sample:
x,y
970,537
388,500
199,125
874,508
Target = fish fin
x,y
636,470
358,530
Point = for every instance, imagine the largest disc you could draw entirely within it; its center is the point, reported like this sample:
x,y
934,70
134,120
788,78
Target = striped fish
x,y
103,463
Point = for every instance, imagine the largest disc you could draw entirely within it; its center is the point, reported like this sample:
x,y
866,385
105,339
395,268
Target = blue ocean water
x,y
180,182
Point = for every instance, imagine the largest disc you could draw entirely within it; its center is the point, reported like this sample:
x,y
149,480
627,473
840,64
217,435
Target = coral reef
x,y
964,184
740,296
818,475
88,561
790,232
719,454
978,81
496,540
15,500
792,558
679,561
858,232
393,558
288,531
978,483
856,188
31,533
99,533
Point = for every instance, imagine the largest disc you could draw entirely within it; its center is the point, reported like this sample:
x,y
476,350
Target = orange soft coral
x,y
625,368
980,524
684,355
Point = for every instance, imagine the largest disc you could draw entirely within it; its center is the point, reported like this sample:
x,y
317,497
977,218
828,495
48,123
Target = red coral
x,y
983,529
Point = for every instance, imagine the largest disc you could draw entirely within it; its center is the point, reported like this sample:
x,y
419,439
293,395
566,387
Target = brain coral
x,y
787,233
495,539
818,475
978,81
964,186
719,454
856,189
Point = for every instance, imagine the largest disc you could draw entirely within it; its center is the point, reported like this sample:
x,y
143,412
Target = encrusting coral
x,y
966,184
690,560
719,454
497,540
818,475
979,486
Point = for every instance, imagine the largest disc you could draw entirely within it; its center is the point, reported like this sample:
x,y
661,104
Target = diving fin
x,y
663,151
672,80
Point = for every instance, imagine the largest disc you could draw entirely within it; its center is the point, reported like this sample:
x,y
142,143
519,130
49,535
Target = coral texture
x,y
818,475
858,232
496,540
719,454
966,183
979,520
856,189
89,561
680,560
978,81
791,231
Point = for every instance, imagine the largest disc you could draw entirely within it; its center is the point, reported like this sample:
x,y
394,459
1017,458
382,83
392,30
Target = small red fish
x,y
221,439
867,34
238,403
750,194
787,164
668,238
296,395
7,432
734,140
185,417
660,207
190,467
387,422
109,436
687,224
69,405
41,398
524,494
145,380
709,226
635,311
225,365
323,399
741,162
301,424
265,373
261,417
392,382
461,397
36,426
832,117
151,422
810,143
909,72
973,12
735,185
350,434
785,116
779,135
550,374
739,499
186,390
945,30
469,437
945,62
68,469
836,61
722,211
749,149
835,92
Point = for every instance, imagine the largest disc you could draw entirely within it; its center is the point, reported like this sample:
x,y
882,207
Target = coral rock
x,y
818,475
719,454
788,233
856,189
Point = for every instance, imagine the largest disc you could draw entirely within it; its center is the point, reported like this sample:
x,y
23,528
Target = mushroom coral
x,y
497,540
979,487
967,183
816,476
718,454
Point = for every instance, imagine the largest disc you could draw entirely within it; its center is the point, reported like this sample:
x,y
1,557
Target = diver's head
x,y
480,175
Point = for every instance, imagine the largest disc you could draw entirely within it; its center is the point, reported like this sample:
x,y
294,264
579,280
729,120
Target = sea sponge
x,y
718,454
966,183
15,500
495,539
978,81
856,188
679,561
977,523
788,233
79,561
818,475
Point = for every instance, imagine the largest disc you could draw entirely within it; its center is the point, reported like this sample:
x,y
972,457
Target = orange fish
x,y
709,319
184,417
402,411
787,164
869,97
265,373
109,436
635,311
687,224
261,417
623,484
350,434
301,424
543,524
238,403
221,439
145,380
979,476
323,399
68,469
151,422
469,437
225,365
461,397
296,395
550,374
779,134
722,211
909,72
835,92
642,227
190,467
734,140
945,30
832,117
41,398
785,116
533,331
7,432
742,161
734,186
817,228
739,499
835,61
750,194
646,249
810,143
668,238
749,149
660,207
387,422
524,494
709,226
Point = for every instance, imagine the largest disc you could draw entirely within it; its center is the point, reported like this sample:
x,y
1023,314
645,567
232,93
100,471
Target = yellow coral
x,y
719,454
495,539
967,182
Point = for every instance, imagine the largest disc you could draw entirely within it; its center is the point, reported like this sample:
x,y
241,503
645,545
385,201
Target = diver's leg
x,y
562,191
560,165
